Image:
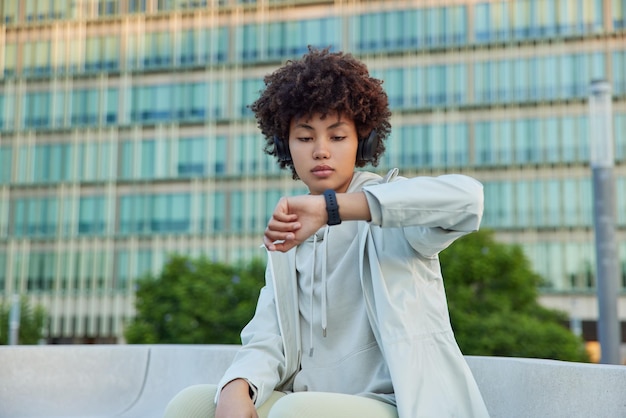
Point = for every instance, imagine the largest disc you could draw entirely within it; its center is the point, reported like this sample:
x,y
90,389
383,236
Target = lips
x,y
322,171
322,168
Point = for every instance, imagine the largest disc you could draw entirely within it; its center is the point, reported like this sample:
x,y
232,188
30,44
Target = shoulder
x,y
362,179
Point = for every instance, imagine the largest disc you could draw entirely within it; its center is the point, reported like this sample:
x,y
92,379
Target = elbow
x,y
472,212
475,210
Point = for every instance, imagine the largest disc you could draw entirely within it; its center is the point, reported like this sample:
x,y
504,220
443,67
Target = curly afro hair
x,y
323,83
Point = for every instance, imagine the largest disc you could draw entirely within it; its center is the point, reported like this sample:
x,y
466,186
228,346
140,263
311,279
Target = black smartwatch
x,y
332,208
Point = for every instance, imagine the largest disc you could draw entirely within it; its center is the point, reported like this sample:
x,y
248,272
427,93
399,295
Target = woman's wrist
x,y
353,207
238,387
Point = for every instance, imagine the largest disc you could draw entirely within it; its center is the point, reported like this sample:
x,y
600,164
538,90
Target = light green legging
x,y
197,402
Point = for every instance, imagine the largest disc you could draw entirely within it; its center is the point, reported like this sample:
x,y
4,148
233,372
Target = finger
x,y
283,246
269,245
279,225
281,211
272,236
278,245
284,217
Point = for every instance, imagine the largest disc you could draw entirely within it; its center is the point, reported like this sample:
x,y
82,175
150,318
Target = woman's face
x,y
323,151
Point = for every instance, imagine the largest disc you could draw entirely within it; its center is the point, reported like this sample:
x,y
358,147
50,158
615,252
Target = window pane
x,y
3,271
619,72
187,49
92,98
192,157
619,128
111,106
42,57
148,157
544,18
6,164
10,59
10,15
481,22
219,211
92,54
619,14
455,25
91,215
110,52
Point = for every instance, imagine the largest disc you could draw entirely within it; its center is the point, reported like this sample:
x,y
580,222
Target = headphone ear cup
x,y
282,150
367,147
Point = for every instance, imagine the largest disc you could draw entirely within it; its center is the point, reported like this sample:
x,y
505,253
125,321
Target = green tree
x,y
32,320
195,301
492,294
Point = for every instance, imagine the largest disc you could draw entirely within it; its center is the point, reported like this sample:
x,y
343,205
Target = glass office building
x,y
125,136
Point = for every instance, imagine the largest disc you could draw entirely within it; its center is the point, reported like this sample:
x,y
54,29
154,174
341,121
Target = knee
x,y
193,402
289,406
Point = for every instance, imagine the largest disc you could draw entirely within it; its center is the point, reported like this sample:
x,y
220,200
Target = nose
x,y
320,151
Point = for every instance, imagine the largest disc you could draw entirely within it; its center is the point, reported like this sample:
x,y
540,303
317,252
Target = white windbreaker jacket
x,y
412,221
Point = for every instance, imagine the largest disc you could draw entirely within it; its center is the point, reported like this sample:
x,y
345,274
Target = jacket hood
x,y
364,178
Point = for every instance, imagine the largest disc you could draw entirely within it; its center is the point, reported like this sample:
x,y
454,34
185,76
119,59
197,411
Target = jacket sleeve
x,y
261,359
434,211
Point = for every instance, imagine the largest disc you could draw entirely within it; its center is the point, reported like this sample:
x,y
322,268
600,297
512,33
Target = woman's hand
x,y
235,402
294,220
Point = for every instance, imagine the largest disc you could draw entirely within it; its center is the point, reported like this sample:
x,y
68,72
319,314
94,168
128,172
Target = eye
x,y
304,139
338,138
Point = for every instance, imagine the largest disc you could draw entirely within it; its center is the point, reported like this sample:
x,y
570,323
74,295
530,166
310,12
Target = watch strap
x,y
332,207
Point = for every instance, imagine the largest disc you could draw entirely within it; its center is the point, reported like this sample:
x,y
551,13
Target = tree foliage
x,y
195,301
492,293
32,321
493,300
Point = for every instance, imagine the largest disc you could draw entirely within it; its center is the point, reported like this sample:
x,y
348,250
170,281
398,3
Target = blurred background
x,y
125,136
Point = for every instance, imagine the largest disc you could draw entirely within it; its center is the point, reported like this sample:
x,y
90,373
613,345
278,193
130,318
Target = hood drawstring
x,y
324,282
311,296
324,287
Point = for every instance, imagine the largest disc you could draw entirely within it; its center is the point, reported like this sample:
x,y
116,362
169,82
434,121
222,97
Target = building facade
x,y
125,134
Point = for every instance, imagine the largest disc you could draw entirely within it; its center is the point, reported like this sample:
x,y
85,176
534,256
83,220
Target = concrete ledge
x,y
518,387
70,381
137,381
126,381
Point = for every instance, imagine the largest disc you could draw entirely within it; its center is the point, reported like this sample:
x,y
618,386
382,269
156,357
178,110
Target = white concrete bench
x,y
137,382
130,381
